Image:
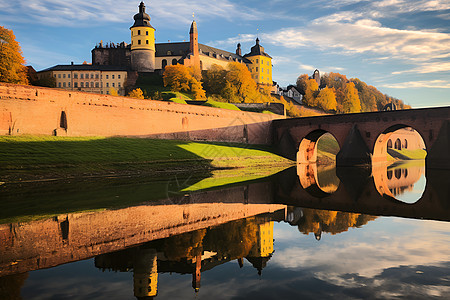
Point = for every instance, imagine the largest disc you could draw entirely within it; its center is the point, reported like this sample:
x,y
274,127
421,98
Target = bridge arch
x,y
398,137
307,150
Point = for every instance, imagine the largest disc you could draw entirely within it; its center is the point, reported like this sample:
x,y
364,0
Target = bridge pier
x,y
354,151
438,157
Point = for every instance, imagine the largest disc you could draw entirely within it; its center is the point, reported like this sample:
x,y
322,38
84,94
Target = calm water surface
x,y
316,236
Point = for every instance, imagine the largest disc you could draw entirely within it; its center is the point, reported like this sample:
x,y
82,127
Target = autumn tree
x,y
326,99
136,93
12,67
183,79
351,102
113,92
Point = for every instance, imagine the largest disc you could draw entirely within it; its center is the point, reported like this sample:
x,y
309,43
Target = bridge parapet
x,y
357,135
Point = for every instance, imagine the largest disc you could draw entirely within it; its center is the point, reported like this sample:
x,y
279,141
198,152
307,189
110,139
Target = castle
x,y
115,65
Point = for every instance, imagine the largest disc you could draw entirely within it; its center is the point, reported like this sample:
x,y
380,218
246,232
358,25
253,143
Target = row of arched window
x,y
398,144
164,62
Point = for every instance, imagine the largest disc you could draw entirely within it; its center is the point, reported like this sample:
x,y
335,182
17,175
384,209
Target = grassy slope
x,y
33,157
167,168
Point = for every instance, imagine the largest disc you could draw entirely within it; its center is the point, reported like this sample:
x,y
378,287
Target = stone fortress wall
x,y
46,111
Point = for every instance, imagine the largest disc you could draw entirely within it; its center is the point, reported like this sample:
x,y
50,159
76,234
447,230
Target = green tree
x,y
136,93
12,67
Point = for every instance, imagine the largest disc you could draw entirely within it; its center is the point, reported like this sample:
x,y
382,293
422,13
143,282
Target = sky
x,y
400,47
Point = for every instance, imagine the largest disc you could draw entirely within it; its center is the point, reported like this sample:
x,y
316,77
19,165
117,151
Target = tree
x,y
113,92
326,99
136,93
311,92
182,79
12,67
351,102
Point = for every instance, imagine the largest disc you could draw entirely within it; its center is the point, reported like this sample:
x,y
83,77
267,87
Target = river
x,y
310,232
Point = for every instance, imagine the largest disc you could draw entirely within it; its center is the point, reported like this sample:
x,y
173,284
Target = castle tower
x,y
142,42
261,67
238,49
193,45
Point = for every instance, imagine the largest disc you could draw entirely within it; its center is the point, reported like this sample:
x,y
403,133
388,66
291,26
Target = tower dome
x,y
141,18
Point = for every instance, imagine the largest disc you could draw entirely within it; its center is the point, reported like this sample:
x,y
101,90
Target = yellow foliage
x,y
326,99
180,78
113,92
12,67
136,93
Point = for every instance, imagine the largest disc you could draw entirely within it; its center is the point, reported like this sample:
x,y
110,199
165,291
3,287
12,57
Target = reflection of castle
x,y
193,253
114,65
395,181
405,138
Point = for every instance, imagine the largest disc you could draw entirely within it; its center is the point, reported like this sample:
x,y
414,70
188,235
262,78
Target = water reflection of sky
x,y
386,258
411,196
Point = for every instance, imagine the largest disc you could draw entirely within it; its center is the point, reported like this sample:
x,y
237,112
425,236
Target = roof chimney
x,y
71,63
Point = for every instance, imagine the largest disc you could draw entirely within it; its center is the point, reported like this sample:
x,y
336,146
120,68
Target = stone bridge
x,y
362,137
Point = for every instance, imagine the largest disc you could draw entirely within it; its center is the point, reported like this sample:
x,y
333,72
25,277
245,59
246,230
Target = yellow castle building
x,y
115,65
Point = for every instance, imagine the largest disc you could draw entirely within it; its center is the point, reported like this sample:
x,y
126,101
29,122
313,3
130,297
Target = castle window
x,y
118,76
87,84
112,76
68,75
75,84
81,84
64,84
262,70
169,52
59,75
113,84
174,61
118,84
164,63
64,75
54,75
139,32
256,60
96,84
256,69
146,33
268,71
96,76
92,76
146,41
81,76
59,84
107,76
92,84
107,84
139,42
268,63
87,75
68,84
75,75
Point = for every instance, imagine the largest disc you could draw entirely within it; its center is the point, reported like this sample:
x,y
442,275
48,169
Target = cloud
x,y
428,68
441,84
82,13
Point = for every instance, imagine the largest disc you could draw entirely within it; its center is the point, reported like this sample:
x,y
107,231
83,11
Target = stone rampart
x,y
46,111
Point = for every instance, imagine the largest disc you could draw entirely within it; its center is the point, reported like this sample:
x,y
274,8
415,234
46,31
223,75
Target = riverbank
x,y
43,158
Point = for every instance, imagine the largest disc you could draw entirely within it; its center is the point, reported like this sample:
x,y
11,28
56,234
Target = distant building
x,y
88,78
144,55
292,92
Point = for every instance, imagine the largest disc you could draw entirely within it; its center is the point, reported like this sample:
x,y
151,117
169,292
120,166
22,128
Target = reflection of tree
x,y
10,286
231,240
317,221
183,245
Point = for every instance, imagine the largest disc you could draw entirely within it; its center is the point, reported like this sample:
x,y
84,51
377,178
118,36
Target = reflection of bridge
x,y
358,192
363,137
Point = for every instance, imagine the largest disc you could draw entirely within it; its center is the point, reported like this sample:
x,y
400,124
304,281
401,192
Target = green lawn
x,y
217,104
101,173
34,157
